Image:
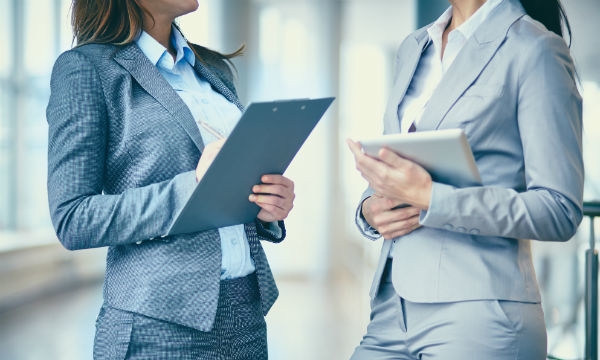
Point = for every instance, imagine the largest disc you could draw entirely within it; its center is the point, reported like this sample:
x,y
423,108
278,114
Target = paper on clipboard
x,y
264,141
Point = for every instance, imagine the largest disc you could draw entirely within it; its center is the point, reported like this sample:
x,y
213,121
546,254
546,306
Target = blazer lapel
x,y
217,83
470,62
147,75
407,65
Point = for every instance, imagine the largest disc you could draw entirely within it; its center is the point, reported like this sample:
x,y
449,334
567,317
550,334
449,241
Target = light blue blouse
x,y
214,109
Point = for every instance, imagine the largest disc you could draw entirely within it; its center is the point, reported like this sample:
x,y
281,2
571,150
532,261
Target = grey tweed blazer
x,y
122,150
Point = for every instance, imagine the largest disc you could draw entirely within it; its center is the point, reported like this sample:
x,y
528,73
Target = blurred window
x,y
6,44
32,33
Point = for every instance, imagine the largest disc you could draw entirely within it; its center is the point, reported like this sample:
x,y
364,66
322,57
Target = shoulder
x,y
89,55
541,55
93,52
528,36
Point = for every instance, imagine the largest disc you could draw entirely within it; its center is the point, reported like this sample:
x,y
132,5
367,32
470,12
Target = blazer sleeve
x,y
549,117
82,215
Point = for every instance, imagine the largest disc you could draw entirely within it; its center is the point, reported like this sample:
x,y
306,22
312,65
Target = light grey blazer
x,y
512,90
122,150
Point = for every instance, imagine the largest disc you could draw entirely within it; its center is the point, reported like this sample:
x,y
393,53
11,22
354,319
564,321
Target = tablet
x,y
445,154
264,141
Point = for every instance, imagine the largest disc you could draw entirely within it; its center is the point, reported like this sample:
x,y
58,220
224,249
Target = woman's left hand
x,y
394,177
275,196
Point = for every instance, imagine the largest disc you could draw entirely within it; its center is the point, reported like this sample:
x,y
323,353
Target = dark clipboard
x,y
264,141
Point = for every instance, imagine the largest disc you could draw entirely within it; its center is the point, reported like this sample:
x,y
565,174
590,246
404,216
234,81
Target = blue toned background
x,y
49,297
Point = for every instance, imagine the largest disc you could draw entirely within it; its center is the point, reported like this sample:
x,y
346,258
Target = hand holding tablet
x,y
445,154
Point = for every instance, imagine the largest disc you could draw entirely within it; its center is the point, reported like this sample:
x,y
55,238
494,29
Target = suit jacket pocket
x,y
477,104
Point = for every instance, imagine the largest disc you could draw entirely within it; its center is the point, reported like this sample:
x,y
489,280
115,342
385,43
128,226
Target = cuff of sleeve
x,y
439,208
272,231
364,227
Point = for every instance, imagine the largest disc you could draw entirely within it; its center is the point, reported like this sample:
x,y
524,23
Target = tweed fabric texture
x,y
122,149
239,331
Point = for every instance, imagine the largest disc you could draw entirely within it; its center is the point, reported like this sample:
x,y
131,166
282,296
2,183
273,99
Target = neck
x,y
160,29
462,10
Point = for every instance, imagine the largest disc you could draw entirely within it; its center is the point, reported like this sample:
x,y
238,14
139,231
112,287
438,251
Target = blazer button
x,y
449,227
474,231
138,242
461,229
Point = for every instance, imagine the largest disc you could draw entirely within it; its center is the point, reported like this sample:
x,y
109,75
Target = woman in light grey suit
x,y
455,279
135,116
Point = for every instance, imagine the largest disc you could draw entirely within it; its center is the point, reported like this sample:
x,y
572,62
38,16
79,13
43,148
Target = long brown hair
x,y
117,22
106,21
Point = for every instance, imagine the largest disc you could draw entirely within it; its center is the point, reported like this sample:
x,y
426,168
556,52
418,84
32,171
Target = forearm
x,y
89,221
540,214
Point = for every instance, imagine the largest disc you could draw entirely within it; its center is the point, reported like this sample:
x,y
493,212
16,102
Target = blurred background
x,y
49,297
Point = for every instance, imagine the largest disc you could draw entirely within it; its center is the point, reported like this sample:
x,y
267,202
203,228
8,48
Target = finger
x,y
406,211
272,209
215,145
283,189
277,179
355,147
370,168
277,190
266,216
218,143
392,159
399,228
378,204
395,216
399,233
271,200
271,213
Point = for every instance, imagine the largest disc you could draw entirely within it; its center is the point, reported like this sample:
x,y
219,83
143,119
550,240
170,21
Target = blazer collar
x,y
467,66
216,82
470,62
406,65
147,75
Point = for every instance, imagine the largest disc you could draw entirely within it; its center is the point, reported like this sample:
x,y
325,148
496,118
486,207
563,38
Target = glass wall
x,y
32,37
33,33
6,64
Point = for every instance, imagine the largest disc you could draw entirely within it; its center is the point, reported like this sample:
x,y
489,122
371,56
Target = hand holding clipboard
x,y
265,140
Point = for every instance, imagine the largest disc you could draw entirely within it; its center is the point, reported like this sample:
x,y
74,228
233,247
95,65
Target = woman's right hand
x,y
388,218
208,155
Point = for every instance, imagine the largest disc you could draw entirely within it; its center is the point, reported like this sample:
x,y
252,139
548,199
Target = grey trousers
x,y
239,331
482,329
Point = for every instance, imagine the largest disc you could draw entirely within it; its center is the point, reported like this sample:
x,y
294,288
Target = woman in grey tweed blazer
x,y
125,151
